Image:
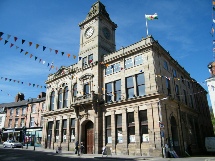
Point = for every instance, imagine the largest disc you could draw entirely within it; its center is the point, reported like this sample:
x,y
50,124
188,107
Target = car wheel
x,y
4,146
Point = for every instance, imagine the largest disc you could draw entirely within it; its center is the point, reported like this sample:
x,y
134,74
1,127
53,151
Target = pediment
x,y
61,71
86,76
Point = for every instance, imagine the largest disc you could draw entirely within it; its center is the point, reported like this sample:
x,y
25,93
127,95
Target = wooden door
x,y
90,137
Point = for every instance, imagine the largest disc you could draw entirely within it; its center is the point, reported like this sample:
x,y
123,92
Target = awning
x,y
11,131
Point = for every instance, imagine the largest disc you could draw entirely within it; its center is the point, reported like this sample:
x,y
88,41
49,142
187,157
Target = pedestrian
x,y
82,148
77,148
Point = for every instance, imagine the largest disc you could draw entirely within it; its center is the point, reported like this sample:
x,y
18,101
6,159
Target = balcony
x,y
86,99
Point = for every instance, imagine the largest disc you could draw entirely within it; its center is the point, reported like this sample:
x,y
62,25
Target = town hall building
x,y
133,100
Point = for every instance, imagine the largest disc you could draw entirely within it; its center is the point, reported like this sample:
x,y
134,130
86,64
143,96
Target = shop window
x,y
144,126
131,127
108,129
119,136
72,130
64,127
57,131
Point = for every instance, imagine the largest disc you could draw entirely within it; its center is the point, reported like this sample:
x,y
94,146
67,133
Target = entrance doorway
x,y
89,137
175,139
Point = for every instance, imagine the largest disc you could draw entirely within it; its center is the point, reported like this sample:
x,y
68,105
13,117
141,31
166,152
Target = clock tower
x,y
97,34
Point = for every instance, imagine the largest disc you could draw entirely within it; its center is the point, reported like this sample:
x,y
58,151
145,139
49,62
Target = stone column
x,y
96,138
44,133
68,135
103,134
124,132
113,131
53,132
60,129
77,129
137,130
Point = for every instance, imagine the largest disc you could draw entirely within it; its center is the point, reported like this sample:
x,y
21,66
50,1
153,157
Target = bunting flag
x,y
30,44
13,80
11,45
5,42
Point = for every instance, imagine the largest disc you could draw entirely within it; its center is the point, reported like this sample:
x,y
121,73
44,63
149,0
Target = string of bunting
x,y
51,65
29,84
30,43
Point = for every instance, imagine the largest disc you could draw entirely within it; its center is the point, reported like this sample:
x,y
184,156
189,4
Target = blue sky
x,y
183,28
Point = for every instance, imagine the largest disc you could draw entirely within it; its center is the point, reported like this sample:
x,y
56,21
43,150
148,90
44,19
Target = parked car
x,y
12,144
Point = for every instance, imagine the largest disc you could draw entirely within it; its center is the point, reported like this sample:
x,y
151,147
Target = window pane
x,y
129,82
52,100
86,88
108,88
128,63
138,60
141,90
90,58
60,99
119,135
140,79
75,90
130,117
64,124
116,67
108,70
130,93
65,97
119,120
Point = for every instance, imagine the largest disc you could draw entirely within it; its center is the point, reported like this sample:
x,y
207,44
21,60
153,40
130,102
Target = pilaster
x,y
124,132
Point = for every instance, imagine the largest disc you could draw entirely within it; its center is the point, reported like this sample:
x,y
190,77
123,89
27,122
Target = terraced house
x,y
133,100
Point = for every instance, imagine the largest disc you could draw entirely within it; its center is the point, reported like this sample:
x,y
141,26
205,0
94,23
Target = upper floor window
x,y
10,123
117,90
24,110
108,87
129,87
60,99
116,67
75,90
16,123
52,97
168,86
65,97
165,64
11,111
32,121
128,63
84,61
108,70
138,60
22,122
174,73
140,79
33,108
17,112
185,97
86,89
177,92
43,106
90,58
182,79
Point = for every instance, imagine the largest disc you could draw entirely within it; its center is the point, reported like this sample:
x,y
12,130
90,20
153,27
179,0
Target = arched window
x,y
52,101
60,99
75,90
65,97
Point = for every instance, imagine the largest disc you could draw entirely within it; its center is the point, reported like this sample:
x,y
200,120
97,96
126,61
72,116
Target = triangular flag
x,y
62,53
11,45
44,48
21,50
5,42
37,45
80,58
74,56
0,38
31,56
8,36
68,55
35,58
1,33
56,51
15,38
30,43
23,41
26,53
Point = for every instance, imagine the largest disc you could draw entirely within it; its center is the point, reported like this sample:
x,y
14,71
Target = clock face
x,y
89,32
106,32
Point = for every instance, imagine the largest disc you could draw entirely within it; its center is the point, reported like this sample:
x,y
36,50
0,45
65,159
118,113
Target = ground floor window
x,y
119,135
108,129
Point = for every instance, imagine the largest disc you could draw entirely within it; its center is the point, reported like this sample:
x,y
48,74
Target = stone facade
x,y
133,100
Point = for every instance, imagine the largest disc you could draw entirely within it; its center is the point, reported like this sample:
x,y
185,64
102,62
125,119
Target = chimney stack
x,y
19,97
